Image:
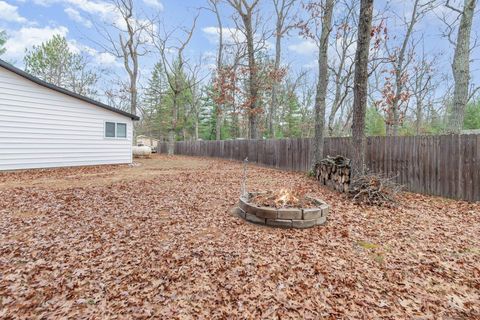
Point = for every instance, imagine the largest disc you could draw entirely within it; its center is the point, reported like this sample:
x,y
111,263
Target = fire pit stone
x,y
299,218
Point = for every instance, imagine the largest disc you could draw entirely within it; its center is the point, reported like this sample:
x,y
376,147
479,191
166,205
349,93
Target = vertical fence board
x,y
476,171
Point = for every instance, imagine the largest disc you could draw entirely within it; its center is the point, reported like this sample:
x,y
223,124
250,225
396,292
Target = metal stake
x,y
243,190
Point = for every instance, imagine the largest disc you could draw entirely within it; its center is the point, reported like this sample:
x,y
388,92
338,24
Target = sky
x,y
31,22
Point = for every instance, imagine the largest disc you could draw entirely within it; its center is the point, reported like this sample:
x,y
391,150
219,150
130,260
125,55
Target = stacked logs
x,y
334,172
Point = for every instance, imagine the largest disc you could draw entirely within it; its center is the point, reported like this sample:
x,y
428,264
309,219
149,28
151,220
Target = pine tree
x,y
3,40
54,62
154,120
472,116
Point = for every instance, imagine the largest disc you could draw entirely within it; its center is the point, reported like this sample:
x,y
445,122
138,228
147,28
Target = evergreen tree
x,y
374,123
472,116
54,62
154,120
208,119
290,114
3,40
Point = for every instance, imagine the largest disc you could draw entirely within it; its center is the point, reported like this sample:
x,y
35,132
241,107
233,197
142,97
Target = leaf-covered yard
x,y
159,240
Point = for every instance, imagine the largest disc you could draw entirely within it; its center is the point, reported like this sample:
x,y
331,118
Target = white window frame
x,y
116,137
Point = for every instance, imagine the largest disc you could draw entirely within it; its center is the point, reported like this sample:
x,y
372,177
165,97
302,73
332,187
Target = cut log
x,y
334,172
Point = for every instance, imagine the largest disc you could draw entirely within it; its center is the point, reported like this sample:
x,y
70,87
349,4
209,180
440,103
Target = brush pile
x,y
334,172
374,189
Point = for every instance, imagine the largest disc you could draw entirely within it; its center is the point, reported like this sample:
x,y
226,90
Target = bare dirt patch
x,y
137,243
61,178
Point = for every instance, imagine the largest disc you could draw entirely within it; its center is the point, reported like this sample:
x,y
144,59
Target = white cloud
x,y
306,47
27,37
43,2
76,16
100,8
10,13
230,35
154,3
103,59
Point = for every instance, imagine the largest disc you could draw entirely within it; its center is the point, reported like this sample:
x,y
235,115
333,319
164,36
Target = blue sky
x,y
29,22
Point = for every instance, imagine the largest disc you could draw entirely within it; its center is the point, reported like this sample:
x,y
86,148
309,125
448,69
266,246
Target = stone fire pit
x,y
299,218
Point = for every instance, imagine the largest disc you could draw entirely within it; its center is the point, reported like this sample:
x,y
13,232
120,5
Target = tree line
x,y
368,79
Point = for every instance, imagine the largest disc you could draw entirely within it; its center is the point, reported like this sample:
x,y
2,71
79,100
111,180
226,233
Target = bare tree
x,y
246,12
307,97
235,110
127,40
174,64
422,86
401,57
461,64
342,63
319,32
220,73
195,89
285,22
360,89
291,120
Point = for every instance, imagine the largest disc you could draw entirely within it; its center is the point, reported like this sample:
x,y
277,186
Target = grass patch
x,y
367,245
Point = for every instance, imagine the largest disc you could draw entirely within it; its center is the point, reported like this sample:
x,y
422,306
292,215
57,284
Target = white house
x,y
42,126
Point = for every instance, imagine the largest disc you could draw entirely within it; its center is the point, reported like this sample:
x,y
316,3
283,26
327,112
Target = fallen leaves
x,y
167,246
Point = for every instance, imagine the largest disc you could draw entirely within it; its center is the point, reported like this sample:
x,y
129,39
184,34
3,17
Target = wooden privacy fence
x,y
447,165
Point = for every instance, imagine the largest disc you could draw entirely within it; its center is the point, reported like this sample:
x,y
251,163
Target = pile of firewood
x,y
374,189
334,172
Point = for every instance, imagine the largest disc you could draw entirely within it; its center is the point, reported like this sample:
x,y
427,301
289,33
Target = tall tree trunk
x,y
273,103
196,129
336,100
134,91
246,11
218,125
234,130
173,129
399,69
253,130
461,68
133,106
220,107
361,86
418,123
321,96
171,142
235,125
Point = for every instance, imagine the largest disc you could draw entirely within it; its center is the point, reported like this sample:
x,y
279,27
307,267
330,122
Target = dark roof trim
x,y
25,75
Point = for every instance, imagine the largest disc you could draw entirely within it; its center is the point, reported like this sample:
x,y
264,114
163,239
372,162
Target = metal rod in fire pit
x,y
243,191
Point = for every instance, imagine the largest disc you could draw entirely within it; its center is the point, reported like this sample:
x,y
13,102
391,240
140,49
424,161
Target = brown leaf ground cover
x,y
159,241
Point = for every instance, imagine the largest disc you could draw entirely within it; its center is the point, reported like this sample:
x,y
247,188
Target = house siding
x,y
43,128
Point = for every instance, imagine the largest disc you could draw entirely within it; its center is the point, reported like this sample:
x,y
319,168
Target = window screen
x,y
121,130
110,129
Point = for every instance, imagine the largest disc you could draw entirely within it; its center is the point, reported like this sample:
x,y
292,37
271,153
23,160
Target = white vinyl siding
x,y
42,128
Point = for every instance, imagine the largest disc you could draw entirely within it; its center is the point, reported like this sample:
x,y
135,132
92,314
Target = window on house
x,y
115,130
110,129
121,130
